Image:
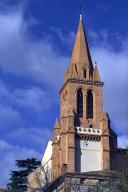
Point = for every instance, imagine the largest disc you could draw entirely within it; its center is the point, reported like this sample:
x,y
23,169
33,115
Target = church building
x,y
83,140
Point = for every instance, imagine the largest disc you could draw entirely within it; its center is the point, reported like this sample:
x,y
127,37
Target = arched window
x,y
84,73
89,104
79,103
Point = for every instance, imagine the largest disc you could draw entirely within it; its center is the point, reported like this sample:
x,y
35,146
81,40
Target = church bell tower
x,y
83,139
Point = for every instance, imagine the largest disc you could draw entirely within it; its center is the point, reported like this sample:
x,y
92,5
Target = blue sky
x,y
36,38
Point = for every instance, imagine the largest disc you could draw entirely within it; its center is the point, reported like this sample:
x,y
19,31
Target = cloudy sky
x,y
36,39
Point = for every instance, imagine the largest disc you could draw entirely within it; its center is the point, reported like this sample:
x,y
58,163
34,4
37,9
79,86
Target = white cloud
x,y
36,137
9,117
25,137
21,56
123,141
66,40
34,98
8,154
113,67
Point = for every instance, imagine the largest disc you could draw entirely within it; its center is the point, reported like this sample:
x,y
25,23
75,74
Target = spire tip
x,y
95,63
80,16
81,7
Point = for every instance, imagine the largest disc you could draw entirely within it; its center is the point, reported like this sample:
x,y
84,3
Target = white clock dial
x,y
85,143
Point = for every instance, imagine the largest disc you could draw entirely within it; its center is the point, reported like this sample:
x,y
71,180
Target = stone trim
x,y
82,82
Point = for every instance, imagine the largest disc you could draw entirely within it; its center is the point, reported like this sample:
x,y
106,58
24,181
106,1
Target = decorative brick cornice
x,y
90,137
82,82
68,132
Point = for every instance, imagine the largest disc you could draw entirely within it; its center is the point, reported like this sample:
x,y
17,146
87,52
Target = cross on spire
x,y
81,10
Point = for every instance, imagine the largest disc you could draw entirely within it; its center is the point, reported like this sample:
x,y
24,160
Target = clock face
x,y
85,143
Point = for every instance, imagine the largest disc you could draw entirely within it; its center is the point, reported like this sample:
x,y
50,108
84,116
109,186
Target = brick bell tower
x,y
83,140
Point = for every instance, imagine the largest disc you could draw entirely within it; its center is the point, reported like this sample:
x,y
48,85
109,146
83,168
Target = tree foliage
x,y
18,178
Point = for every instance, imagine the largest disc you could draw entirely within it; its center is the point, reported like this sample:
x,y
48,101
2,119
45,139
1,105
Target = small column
x,y
85,106
105,143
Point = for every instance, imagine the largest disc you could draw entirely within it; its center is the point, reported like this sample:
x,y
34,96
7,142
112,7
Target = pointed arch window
x,y
84,73
79,103
90,104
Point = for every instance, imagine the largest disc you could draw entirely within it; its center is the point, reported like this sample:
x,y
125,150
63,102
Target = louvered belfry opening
x,y
89,104
79,103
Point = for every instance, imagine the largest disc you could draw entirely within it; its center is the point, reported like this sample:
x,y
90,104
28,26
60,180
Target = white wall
x,y
47,156
88,157
46,162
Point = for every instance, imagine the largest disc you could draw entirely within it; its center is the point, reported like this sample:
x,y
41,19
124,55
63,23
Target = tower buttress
x,y
56,131
56,150
96,76
105,141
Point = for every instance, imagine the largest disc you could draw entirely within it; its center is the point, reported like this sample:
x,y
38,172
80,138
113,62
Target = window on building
x,y
80,103
84,73
89,104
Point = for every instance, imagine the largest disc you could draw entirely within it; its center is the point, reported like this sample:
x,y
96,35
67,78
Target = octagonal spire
x,y
81,58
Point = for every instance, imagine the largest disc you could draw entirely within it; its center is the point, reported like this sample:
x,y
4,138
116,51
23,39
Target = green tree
x,y
18,179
